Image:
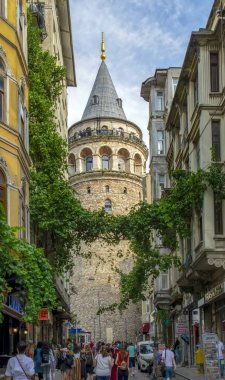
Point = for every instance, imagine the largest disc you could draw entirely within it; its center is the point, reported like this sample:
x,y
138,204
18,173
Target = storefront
x,y
212,311
12,328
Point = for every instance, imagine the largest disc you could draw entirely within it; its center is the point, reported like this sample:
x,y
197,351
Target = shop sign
x,y
14,304
181,328
215,292
44,315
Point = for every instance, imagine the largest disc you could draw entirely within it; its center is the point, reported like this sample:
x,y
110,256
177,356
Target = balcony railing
x,y
105,133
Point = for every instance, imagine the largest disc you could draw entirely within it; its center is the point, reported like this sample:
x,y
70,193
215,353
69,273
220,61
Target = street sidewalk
x,y
189,373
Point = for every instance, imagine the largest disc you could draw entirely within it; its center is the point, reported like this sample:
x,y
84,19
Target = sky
x,y
140,36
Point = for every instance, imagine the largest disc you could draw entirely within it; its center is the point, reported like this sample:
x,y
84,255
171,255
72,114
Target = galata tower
x,y
107,160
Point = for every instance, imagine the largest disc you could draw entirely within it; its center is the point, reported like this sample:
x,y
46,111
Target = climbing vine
x,y
28,269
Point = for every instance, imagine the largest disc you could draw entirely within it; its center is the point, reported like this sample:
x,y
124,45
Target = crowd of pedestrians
x,y
75,362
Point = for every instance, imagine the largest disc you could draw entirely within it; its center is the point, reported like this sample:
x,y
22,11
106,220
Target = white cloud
x,y
140,35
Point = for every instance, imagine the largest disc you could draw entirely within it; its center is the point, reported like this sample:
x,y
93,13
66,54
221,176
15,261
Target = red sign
x,y
43,316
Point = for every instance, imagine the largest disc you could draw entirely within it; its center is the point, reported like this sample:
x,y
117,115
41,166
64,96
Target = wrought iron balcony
x,y
106,133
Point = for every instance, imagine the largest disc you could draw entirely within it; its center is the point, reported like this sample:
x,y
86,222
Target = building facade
x,y
106,163
195,126
14,147
158,91
52,17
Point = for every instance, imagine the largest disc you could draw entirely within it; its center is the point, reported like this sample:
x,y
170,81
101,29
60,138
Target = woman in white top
x,y
20,367
103,364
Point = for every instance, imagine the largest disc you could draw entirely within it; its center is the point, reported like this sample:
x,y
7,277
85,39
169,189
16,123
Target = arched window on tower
x,y
88,190
107,189
2,91
89,163
125,190
105,162
104,130
3,198
119,102
108,205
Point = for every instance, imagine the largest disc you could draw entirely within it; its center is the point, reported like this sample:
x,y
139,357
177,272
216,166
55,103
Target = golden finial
x,y
103,56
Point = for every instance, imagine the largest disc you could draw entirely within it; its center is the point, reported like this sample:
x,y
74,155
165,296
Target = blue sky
x,y
140,36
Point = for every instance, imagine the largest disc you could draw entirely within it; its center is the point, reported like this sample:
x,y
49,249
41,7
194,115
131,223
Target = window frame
x,y
3,92
108,205
3,187
218,215
159,101
89,161
216,139
160,152
105,161
2,9
214,72
107,189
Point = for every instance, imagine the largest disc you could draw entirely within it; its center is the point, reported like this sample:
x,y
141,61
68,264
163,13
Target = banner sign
x,y
181,328
43,316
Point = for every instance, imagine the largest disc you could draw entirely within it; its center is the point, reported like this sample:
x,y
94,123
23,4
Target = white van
x,y
144,354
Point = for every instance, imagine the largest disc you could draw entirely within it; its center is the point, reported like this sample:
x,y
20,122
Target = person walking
x,y
122,361
20,367
114,371
131,350
169,360
37,361
47,358
103,364
89,362
220,354
77,363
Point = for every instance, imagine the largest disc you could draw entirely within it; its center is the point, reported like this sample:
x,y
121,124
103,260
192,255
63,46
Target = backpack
x,y
45,357
89,360
69,360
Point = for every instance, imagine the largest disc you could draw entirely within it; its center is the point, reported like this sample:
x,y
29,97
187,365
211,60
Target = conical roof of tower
x,y
103,100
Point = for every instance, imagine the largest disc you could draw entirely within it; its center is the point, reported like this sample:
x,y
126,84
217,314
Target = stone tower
x,y
106,164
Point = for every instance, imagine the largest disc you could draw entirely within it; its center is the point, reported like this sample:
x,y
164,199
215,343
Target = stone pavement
x,y
184,373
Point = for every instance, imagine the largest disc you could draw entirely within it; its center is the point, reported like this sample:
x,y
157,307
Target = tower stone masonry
x,y
107,160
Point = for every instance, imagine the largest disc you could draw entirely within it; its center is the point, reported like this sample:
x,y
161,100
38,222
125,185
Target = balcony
x,y
38,12
106,133
162,298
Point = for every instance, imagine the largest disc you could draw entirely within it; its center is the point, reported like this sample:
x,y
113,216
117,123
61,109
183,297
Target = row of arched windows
x,y
106,161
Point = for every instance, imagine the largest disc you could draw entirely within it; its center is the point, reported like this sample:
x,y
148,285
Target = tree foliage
x,y
33,273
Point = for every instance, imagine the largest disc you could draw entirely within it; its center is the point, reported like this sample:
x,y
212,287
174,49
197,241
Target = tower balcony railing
x,y
106,133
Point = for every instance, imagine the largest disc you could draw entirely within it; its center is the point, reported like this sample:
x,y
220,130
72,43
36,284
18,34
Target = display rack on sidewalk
x,y
211,361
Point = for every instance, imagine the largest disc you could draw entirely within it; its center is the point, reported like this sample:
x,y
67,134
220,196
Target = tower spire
x,y
103,56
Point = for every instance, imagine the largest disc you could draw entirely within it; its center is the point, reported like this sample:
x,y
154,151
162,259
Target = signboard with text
x,y
44,315
181,328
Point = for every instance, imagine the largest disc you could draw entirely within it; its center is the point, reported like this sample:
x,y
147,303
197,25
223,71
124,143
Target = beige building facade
x,y
106,164
53,19
195,126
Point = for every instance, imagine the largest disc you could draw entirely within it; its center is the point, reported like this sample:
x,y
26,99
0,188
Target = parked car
x,y
144,354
